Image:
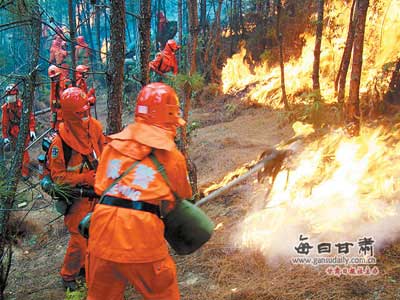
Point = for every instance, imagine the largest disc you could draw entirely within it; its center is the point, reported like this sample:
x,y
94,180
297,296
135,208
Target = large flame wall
x,y
382,45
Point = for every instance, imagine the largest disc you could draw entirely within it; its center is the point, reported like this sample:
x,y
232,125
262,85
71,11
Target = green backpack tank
x,y
187,227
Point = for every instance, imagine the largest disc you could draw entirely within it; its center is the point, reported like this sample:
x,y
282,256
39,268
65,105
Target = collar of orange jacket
x,y
145,134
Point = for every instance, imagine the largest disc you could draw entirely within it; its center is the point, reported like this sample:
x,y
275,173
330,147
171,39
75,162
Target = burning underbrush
x,y
335,188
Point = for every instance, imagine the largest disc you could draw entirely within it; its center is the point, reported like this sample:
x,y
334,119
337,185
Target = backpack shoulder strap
x,y
118,179
161,170
67,150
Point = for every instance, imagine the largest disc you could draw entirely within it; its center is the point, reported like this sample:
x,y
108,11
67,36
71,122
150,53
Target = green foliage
x,y
79,294
231,108
191,127
214,89
195,81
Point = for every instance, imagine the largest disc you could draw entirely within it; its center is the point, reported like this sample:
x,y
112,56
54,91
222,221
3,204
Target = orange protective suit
x,y
127,245
81,75
165,61
11,116
83,141
82,51
58,53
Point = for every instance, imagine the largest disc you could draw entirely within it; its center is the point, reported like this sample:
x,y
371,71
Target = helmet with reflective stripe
x,y
73,102
157,104
12,89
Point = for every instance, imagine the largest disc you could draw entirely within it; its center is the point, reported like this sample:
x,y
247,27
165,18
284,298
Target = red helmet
x,y
12,89
73,102
80,39
172,45
157,104
54,71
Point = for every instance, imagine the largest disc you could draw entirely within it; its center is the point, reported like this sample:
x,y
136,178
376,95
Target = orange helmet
x,y
12,89
54,71
73,103
157,104
81,71
172,45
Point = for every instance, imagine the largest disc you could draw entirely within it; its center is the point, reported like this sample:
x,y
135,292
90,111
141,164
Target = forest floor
x,y
230,134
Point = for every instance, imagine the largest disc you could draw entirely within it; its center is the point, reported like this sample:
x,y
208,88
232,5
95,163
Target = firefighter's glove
x,y
32,134
6,140
88,178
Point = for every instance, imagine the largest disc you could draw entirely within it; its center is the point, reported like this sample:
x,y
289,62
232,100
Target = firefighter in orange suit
x,y
11,116
81,76
57,87
165,60
83,134
82,51
126,239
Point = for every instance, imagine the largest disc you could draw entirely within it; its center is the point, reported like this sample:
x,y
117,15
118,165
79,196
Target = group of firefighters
x,y
126,242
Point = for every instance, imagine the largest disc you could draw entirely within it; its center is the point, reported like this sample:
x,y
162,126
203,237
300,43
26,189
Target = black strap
x,y
135,205
67,150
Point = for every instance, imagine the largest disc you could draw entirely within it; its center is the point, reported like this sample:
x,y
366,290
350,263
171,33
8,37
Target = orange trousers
x,y
155,281
74,258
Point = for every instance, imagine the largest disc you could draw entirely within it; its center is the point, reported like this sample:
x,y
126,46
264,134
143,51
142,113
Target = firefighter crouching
x,y
83,136
165,61
126,240
11,116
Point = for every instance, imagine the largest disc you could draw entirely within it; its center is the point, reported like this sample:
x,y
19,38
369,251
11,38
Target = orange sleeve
x,y
57,166
175,166
5,121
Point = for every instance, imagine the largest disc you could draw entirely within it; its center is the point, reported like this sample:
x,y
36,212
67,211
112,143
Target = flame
x,y
337,187
382,45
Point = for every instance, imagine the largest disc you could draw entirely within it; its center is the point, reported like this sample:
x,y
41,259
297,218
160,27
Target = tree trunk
x,y
281,63
33,33
72,29
203,15
180,30
144,29
317,49
353,105
98,39
393,94
115,72
340,82
217,45
193,30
